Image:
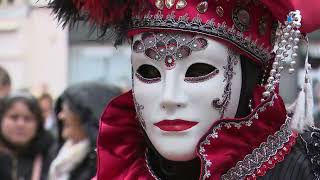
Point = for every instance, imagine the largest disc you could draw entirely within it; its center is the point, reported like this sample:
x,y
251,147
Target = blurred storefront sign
x,y
94,58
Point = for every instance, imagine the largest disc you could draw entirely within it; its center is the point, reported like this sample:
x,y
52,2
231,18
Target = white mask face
x,y
182,85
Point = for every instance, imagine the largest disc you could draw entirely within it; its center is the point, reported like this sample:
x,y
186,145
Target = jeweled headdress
x,y
249,25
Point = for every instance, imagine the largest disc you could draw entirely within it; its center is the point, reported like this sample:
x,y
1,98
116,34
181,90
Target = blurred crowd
x,y
44,138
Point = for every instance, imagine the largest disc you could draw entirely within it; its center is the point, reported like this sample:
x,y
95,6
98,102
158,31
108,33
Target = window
x,y
6,2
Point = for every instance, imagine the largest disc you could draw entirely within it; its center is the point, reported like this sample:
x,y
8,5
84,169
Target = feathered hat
x,y
252,27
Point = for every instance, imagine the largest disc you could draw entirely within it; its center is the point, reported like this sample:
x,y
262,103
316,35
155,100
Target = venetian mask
x,y
182,84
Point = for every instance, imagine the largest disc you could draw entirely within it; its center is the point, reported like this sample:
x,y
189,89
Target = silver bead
x,y
280,50
291,70
285,54
273,71
298,25
288,47
278,57
266,94
281,68
296,40
295,48
269,86
270,79
292,31
290,39
278,75
294,55
298,33
288,28
280,44
293,63
286,35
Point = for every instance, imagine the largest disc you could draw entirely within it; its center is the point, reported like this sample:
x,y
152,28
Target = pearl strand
x,y
289,38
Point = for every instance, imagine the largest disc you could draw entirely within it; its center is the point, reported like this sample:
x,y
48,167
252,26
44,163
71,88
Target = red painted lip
x,y
175,125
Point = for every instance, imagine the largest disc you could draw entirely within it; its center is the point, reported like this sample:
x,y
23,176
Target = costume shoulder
x,y
303,162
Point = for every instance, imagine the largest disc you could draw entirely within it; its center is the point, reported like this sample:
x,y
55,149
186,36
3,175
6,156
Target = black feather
x,y
65,11
69,13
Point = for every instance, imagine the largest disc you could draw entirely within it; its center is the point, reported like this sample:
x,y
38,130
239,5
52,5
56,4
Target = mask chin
x,y
251,76
167,169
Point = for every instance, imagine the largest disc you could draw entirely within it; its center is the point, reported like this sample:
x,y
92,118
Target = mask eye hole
x,y
148,74
200,72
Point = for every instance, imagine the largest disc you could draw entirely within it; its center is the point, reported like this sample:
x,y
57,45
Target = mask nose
x,y
173,95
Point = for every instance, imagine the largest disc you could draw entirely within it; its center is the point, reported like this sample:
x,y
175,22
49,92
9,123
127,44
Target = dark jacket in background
x,y
17,163
88,100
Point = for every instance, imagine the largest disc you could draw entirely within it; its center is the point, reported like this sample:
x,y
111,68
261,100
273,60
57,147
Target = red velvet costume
x,y
122,148
241,148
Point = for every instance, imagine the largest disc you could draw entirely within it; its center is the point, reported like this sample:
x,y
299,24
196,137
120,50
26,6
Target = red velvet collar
x,y
225,150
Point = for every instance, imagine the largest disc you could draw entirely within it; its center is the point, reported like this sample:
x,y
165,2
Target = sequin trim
x,y
210,28
139,109
146,80
260,155
217,103
148,166
201,78
214,134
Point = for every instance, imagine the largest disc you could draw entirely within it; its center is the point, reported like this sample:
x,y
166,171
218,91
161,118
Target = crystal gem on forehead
x,y
169,62
168,47
181,4
170,3
202,7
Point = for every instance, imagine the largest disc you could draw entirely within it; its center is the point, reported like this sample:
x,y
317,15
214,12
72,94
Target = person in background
x,y
78,110
5,82
46,105
25,146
